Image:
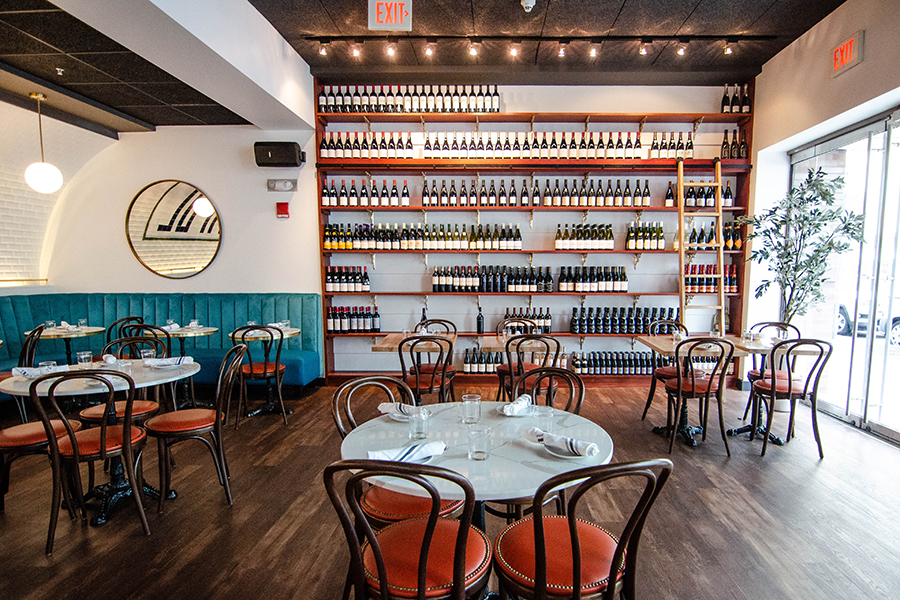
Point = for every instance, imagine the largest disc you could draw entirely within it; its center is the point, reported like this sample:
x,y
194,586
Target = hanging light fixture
x,y
682,47
203,207
474,46
323,48
42,176
356,48
430,45
392,46
727,49
514,48
644,50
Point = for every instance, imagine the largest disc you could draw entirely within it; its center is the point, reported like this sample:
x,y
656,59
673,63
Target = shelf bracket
x,y
583,298
372,255
635,300
587,121
424,217
641,125
633,340
478,217
532,124
530,302
478,262
368,124
581,342
422,120
531,218
689,258
584,216
477,124
697,122
426,302
583,258
637,258
688,298
478,301
531,259
371,216
638,214
374,299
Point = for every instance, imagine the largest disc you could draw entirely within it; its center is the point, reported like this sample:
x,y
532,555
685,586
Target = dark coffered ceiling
x,y
778,21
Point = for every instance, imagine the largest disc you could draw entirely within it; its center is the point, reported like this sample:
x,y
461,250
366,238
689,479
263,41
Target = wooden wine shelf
x,y
525,165
472,208
525,251
741,119
537,294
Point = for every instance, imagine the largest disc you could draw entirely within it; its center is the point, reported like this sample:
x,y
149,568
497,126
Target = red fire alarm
x,y
282,210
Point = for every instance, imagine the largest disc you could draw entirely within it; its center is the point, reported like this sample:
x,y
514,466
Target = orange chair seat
x,y
767,374
687,385
190,419
400,543
386,505
526,366
138,409
781,386
667,372
425,381
89,440
5,375
432,367
260,368
515,550
28,434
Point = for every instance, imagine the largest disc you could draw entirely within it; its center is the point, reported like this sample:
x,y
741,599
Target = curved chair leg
x,y
749,403
280,399
815,423
769,419
501,389
719,398
136,490
164,470
649,397
222,467
54,504
703,407
678,402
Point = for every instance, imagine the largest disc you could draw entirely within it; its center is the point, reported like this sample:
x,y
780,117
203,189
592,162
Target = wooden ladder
x,y
685,249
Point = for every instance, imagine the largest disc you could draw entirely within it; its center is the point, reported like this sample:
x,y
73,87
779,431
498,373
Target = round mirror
x,y
173,229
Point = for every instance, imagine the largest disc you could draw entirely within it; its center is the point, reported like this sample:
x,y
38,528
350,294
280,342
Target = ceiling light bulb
x,y
728,49
355,52
562,52
323,50
681,50
203,207
473,50
514,51
43,177
429,51
593,52
391,50
643,50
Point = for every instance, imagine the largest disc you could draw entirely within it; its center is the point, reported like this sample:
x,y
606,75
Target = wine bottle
x,y
726,101
745,101
725,153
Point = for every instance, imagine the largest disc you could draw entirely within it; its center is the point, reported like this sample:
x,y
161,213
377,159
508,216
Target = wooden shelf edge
x,y
501,117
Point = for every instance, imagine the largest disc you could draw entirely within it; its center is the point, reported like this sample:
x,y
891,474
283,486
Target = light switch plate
x,y
281,185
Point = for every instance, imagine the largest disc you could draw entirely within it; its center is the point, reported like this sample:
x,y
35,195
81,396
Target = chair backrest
x,y
48,409
413,347
130,347
270,338
142,329
807,349
654,474
664,327
532,381
29,347
437,325
114,331
517,325
713,354
346,501
228,374
776,329
342,405
519,347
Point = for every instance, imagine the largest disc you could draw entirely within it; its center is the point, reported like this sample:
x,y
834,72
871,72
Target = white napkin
x,y
277,325
172,327
66,326
396,408
409,453
562,444
517,407
168,362
35,372
109,359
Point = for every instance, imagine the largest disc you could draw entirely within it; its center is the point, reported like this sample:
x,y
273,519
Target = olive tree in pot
x,y
796,237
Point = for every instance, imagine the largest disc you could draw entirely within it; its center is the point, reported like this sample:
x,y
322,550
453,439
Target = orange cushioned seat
x,y
516,553
400,543
767,374
687,385
5,375
666,372
89,440
28,434
781,386
385,505
139,408
183,420
431,367
260,368
526,366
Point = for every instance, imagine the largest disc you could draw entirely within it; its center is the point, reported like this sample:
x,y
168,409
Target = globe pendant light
x,y
42,176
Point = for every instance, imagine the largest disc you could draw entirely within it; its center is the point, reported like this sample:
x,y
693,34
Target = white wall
x,y
86,249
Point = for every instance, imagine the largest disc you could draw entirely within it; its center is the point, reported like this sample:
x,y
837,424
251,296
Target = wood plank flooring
x,y
784,526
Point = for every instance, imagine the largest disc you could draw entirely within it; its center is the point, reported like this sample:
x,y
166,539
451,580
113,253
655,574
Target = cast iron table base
x,y
682,429
118,489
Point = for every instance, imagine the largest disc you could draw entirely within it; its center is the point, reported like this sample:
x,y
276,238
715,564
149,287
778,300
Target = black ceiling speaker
x,y
278,154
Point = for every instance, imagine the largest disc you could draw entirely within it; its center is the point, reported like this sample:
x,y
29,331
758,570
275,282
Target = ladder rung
x,y
705,306
710,184
716,245
702,214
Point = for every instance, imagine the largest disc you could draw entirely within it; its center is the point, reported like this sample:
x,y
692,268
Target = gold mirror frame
x,y
159,220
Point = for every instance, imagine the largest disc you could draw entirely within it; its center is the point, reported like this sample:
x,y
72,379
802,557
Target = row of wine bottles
x,y
701,195
618,321
731,234
735,101
585,237
645,236
420,237
347,279
734,149
492,279
408,99
367,145
704,279
353,319
611,363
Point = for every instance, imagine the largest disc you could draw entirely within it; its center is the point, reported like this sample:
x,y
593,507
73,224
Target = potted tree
x,y
796,238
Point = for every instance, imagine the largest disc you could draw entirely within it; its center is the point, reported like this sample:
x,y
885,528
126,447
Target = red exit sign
x,y
847,54
390,15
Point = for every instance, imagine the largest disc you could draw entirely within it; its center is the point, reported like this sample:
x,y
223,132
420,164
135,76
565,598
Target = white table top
x,y
60,333
143,377
287,332
515,467
188,331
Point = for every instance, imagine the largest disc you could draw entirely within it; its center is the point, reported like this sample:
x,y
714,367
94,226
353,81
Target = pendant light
x,y
42,176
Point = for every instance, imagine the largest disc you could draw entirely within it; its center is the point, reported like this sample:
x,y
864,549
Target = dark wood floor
x,y
784,526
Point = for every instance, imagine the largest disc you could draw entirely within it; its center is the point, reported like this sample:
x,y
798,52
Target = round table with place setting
x,y
67,333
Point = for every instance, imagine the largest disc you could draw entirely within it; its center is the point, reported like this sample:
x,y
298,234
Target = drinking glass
x,y
418,423
124,365
82,323
250,323
479,436
148,353
195,323
85,358
47,366
286,323
543,418
170,321
471,405
49,324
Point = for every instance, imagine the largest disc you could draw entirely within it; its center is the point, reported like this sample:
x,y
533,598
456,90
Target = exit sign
x,y
847,54
388,15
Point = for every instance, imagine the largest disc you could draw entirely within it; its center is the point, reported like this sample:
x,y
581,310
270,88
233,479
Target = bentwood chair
x,y
107,441
267,341
525,353
661,371
812,355
26,359
690,382
443,558
434,381
439,327
114,331
144,330
196,423
570,557
381,505
777,329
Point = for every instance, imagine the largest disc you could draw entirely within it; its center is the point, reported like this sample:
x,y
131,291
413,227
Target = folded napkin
x,y
35,372
109,359
277,325
562,444
395,408
66,326
172,327
409,453
517,407
168,362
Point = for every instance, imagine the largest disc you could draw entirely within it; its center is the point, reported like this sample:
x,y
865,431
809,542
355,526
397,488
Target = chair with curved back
x,y
571,557
114,331
132,330
267,340
782,331
661,371
522,354
26,359
439,327
443,558
435,381
110,440
381,505
692,382
196,423
803,351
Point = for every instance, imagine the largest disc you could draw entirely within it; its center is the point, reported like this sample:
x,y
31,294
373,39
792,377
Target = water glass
x,y
479,436
124,365
49,324
170,321
148,353
82,323
418,423
471,405
85,358
195,323
47,366
543,418
286,323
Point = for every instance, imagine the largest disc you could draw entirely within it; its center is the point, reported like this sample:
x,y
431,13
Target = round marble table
x,y
515,467
67,335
